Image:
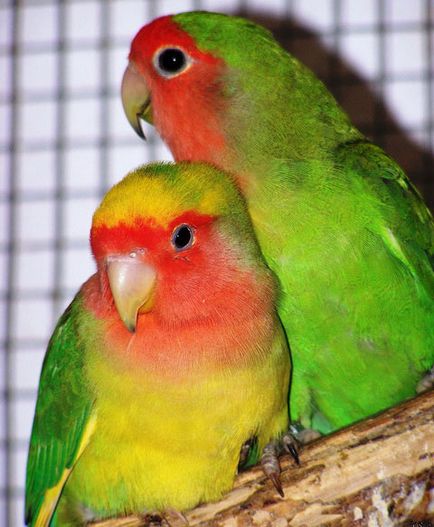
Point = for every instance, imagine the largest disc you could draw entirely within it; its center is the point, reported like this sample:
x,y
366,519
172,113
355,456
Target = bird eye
x,y
182,237
169,62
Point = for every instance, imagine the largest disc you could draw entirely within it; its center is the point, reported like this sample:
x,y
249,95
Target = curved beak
x,y
132,284
136,99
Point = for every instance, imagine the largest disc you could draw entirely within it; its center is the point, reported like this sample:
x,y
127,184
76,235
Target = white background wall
x,y
64,140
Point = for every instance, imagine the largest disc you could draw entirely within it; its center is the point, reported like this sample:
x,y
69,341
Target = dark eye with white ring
x,y
183,237
170,62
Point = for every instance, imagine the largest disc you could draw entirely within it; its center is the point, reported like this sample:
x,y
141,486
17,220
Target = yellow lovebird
x,y
169,359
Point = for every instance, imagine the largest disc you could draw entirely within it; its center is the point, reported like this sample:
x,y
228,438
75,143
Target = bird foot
x,y
174,518
426,383
303,435
245,452
271,466
167,518
270,458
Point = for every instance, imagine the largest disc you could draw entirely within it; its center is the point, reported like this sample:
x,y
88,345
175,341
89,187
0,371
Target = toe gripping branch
x,y
270,458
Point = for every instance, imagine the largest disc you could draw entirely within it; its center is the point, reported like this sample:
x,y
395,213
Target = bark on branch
x,y
379,472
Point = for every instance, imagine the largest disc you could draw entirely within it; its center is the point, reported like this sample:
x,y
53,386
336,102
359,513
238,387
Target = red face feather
x,y
179,273
204,298
194,92
139,233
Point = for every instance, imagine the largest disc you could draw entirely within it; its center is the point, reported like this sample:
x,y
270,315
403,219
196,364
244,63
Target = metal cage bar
x,y
56,169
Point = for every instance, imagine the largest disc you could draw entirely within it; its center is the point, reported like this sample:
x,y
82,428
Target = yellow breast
x,y
164,445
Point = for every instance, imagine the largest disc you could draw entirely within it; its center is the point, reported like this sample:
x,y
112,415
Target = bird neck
x,y
236,336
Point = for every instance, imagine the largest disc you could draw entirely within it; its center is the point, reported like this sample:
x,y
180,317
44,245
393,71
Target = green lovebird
x,y
151,383
337,220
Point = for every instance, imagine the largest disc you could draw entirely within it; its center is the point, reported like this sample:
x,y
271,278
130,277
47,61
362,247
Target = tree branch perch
x,y
379,472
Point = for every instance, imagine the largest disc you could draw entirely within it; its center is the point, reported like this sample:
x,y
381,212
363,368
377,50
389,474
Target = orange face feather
x,y
208,295
197,90
202,301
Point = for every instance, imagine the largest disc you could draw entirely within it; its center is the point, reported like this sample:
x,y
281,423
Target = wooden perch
x,y
379,473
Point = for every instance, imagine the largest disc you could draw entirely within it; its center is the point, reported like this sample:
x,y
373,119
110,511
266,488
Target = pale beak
x,y
136,99
132,285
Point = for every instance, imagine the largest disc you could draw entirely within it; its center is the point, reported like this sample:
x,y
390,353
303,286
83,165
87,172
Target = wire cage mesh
x,y
64,141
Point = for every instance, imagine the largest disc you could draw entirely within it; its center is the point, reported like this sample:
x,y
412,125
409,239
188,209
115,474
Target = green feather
x,y
340,224
62,410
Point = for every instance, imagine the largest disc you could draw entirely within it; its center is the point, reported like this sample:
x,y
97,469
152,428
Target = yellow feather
x,y
141,195
173,443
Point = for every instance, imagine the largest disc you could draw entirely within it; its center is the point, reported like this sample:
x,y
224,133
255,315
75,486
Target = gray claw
x,y
426,383
290,445
174,518
303,435
245,452
270,465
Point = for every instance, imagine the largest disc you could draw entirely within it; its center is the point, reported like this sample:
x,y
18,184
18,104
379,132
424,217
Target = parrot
x,y
338,221
170,357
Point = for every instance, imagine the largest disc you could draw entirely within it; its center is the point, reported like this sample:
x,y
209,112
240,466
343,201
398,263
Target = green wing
x,y
404,223
403,229
62,422
374,313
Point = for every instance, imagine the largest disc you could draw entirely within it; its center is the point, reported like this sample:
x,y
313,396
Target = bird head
x,y
221,89
175,242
